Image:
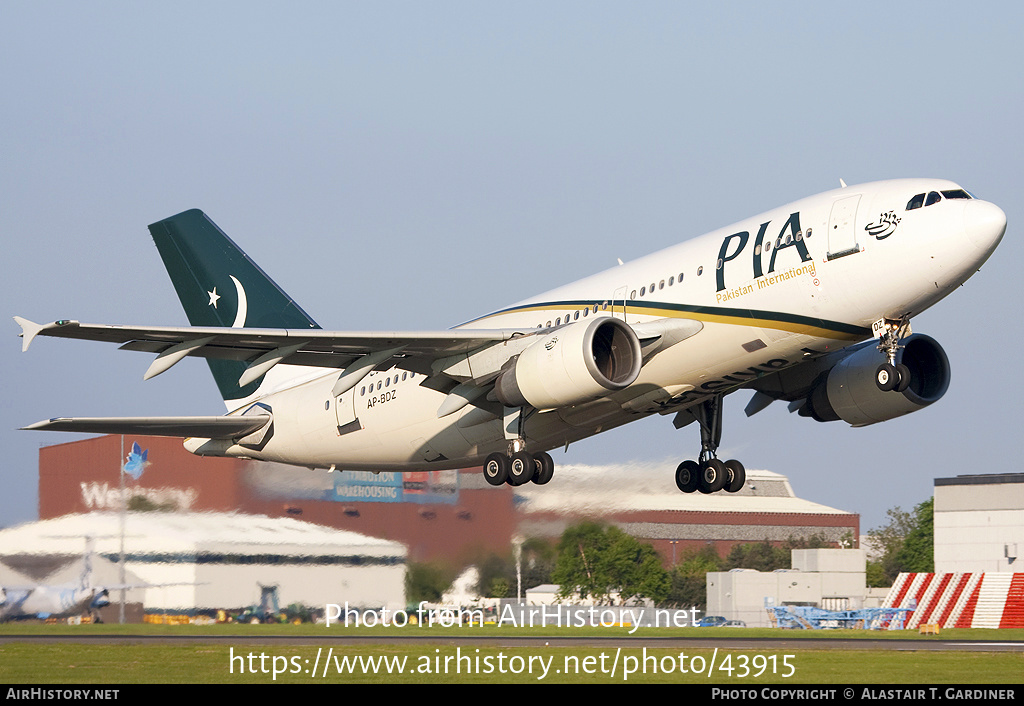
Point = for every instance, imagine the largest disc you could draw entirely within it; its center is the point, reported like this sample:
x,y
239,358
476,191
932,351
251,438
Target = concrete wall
x,y
979,523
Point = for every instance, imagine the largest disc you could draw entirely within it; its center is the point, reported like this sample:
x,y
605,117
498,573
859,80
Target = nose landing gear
x,y
708,474
891,376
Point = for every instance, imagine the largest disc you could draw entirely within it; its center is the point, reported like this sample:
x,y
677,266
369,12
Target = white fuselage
x,y
47,601
807,278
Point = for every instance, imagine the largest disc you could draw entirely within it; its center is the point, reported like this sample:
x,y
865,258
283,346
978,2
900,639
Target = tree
x,y
426,582
918,551
538,561
497,576
689,585
761,556
905,543
598,561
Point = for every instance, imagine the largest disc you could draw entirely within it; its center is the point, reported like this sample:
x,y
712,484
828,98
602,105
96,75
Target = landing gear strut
x,y
708,474
892,375
517,466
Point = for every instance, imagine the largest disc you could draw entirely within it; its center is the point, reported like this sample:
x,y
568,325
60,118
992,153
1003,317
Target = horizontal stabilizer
x,y
202,427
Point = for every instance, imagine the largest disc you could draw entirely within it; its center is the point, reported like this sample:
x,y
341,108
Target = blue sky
x,y
414,165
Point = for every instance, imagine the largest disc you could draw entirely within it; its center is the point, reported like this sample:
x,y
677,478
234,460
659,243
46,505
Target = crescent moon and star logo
x,y
243,304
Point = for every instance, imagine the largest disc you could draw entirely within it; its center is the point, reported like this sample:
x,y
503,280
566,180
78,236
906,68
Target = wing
x,y
462,363
203,427
415,350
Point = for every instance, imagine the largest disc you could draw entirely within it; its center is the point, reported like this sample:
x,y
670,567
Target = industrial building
x,y
650,508
978,581
204,561
833,579
979,523
228,530
438,515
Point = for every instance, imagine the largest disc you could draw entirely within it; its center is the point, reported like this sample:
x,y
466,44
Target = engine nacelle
x,y
574,364
848,390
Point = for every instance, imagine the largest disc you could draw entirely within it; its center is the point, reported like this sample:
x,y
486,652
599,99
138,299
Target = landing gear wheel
x,y
496,468
712,476
545,468
737,476
903,373
688,476
886,377
521,469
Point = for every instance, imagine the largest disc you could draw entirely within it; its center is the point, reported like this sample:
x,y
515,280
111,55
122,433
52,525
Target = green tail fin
x,y
219,285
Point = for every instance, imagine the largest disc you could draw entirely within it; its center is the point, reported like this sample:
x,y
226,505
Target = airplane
x,y
56,601
809,303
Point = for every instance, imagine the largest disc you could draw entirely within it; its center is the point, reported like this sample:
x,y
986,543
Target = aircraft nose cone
x,y
984,223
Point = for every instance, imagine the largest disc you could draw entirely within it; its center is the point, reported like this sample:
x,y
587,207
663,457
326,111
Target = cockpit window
x,y
956,194
933,197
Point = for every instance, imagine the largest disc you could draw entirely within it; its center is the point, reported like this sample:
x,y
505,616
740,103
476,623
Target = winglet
x,y
29,330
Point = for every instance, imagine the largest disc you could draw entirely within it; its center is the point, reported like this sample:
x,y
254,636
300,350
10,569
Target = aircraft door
x,y
842,232
345,408
619,302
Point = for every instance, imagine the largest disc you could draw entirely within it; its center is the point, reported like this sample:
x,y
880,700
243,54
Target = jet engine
x,y
848,390
573,364
101,599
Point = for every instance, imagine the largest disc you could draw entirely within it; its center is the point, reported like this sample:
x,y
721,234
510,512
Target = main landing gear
x,y
518,467
708,474
892,376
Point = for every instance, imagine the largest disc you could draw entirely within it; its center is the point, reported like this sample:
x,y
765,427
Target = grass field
x,y
438,660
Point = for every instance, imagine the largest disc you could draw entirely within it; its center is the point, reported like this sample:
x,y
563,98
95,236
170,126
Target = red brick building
x,y
444,515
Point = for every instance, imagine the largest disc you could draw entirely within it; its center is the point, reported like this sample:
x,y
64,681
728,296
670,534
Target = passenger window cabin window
x,y
916,202
933,197
671,281
700,270
661,284
643,290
